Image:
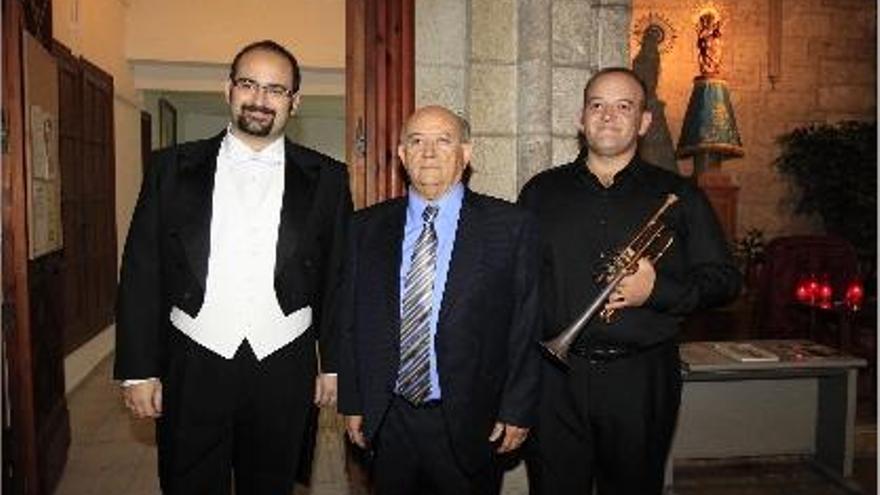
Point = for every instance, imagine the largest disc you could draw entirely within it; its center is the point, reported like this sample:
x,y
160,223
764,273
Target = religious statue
x,y
709,44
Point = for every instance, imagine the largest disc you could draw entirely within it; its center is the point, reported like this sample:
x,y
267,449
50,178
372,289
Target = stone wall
x,y
827,73
516,69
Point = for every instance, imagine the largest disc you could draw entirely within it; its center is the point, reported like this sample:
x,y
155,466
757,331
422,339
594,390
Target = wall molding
x,y
79,363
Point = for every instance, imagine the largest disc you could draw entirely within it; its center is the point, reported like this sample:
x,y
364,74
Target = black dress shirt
x,y
581,221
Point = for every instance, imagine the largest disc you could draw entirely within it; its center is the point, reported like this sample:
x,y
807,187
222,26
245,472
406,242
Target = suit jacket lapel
x,y
197,166
388,260
299,181
464,267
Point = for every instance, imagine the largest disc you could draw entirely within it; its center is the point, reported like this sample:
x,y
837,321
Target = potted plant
x,y
834,167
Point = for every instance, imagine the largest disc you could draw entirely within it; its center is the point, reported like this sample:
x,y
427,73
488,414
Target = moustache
x,y
257,108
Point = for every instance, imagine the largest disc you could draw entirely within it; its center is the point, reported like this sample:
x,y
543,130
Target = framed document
x,y
41,159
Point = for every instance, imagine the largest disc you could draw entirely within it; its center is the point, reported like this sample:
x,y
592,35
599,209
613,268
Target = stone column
x,y
442,53
534,101
492,96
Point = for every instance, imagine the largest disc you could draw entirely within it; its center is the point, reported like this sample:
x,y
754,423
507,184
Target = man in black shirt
x,y
609,418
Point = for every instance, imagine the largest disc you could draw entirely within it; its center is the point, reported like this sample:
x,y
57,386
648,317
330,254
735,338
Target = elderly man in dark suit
x,y
231,272
440,367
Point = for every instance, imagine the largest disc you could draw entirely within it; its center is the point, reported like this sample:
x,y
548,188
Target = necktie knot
x,y
430,213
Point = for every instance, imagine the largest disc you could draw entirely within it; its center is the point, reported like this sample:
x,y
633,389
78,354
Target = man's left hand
x,y
513,436
325,390
633,290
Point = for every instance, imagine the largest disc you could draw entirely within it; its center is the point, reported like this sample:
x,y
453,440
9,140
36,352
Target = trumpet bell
x,y
556,350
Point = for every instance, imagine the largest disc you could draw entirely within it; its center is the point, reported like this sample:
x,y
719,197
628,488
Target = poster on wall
x,y
41,155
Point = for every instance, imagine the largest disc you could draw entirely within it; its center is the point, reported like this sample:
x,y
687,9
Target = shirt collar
x,y
239,153
448,204
634,170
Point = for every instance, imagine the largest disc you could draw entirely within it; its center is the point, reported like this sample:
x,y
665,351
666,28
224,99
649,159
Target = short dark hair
x,y
273,47
618,70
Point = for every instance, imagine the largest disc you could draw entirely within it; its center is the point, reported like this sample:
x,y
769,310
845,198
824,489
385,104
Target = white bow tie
x,y
240,156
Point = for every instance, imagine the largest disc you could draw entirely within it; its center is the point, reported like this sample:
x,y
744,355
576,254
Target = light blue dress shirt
x,y
445,226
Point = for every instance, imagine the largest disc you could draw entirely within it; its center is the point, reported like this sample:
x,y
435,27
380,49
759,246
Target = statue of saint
x,y
709,44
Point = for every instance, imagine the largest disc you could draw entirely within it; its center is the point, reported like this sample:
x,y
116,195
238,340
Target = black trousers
x,y
610,423
414,455
239,416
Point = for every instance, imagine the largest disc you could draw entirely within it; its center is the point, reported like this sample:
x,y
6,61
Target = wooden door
x,y
380,94
45,279
19,431
70,158
98,200
86,152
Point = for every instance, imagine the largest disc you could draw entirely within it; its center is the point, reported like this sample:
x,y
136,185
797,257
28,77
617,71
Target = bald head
x,y
435,148
618,71
464,127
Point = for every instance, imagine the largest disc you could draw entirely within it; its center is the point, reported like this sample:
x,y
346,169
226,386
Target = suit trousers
x,y
234,418
608,423
414,456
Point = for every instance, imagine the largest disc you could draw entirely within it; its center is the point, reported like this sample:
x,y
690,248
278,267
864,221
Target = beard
x,y
252,126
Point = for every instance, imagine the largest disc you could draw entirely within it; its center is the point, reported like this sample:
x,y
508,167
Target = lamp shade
x,y
709,124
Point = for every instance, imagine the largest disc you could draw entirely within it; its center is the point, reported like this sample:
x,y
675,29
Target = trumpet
x,y
651,241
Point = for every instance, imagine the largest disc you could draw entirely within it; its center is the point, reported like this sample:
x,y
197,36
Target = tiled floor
x,y
111,454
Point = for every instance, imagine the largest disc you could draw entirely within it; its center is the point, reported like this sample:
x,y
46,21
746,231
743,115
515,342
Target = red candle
x,y
855,294
802,293
813,288
825,292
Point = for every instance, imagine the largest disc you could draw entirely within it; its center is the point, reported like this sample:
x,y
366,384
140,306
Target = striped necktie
x,y
413,378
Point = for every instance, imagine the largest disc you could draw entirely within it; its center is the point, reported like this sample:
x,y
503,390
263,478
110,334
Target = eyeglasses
x,y
273,91
420,142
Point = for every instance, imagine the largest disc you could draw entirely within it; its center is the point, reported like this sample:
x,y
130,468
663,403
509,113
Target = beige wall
x,y
212,31
827,74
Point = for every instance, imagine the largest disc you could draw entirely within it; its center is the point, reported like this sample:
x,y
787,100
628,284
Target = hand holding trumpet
x,y
634,289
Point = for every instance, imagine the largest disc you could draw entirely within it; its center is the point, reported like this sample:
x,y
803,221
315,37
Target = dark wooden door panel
x,y
19,430
51,415
88,197
100,214
70,135
380,88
